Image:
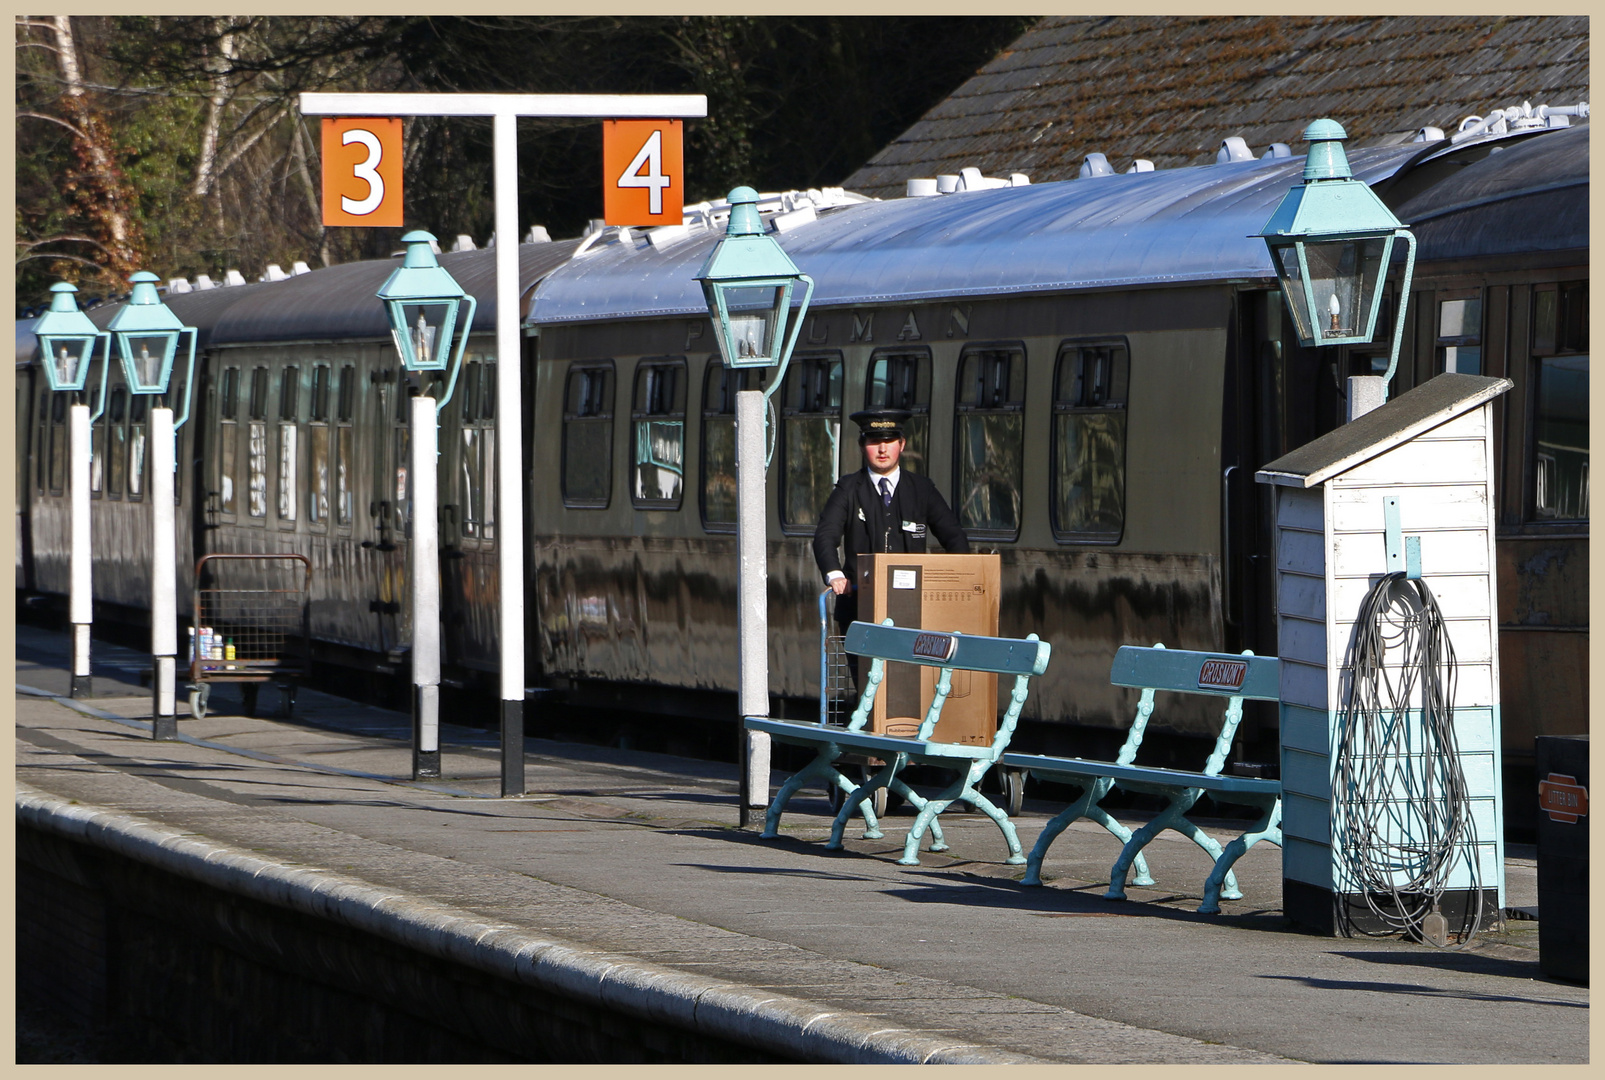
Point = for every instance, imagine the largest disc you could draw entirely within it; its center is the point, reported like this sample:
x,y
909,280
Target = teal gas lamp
x,y
147,333
1331,240
422,300
747,282
67,340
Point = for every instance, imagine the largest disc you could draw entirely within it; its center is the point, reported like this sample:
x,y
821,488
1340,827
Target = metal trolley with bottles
x,y
252,626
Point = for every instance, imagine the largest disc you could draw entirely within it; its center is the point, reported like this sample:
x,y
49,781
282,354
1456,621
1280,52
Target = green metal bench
x,y
1178,671
1020,657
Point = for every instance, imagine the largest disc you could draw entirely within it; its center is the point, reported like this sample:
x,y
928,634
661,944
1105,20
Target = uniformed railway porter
x,y
880,508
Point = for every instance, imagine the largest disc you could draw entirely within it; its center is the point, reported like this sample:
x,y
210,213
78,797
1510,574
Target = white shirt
x,y
875,479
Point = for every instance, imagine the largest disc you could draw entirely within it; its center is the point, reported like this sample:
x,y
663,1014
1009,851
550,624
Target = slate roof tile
x,y
1171,88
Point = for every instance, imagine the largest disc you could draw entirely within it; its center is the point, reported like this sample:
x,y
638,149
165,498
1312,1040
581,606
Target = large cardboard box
x,y
933,592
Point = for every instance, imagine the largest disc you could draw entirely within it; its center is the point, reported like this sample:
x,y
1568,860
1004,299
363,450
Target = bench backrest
x,y
1184,672
1245,676
1020,657
940,648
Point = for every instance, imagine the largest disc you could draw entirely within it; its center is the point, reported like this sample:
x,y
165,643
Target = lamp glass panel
x,y
423,336
69,360
147,359
752,321
1292,275
1344,271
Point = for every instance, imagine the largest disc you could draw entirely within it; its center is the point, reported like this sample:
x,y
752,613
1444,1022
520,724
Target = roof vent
x,y
1428,134
538,235
1233,148
1276,151
204,281
232,278
1095,164
1141,165
178,285
275,272
298,268
947,183
464,242
796,219
920,188
1019,179
665,235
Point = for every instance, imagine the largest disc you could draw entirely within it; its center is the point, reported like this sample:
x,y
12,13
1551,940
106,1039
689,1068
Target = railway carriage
x,y
1096,369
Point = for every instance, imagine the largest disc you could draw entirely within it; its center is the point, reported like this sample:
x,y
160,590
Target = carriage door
x,y
387,512
1255,431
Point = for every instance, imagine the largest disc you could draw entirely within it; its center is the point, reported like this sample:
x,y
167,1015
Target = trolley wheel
x,y
248,691
835,795
1013,790
288,690
198,696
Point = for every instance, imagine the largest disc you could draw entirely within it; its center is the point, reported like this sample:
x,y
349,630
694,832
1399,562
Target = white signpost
x,y
505,109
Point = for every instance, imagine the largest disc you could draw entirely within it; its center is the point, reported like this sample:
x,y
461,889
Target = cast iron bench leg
x,y
1179,805
823,766
985,805
1086,806
858,797
1268,827
917,801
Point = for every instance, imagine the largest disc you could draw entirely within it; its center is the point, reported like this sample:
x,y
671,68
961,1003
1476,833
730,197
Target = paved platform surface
x,y
638,854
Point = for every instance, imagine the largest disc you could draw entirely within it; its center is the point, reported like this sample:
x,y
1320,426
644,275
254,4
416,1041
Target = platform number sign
x,y
362,171
643,172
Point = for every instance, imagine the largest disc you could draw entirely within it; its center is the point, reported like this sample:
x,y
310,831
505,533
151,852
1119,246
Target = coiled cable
x,y
1402,816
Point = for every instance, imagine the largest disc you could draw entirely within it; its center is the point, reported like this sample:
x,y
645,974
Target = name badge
x,y
914,528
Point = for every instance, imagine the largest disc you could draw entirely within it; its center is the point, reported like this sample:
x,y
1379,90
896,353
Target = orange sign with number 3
x,y
643,172
362,171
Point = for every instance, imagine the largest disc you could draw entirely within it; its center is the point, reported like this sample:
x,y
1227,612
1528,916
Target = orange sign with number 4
x,y
643,172
362,171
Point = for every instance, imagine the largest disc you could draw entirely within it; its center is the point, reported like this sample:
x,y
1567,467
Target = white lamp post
x,y
146,333
748,282
423,302
67,340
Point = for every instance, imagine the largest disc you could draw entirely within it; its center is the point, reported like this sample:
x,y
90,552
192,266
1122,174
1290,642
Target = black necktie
x,y
886,492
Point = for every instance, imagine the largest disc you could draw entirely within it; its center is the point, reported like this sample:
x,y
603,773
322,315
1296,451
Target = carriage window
x,y
343,463
658,469
1560,415
256,450
138,411
588,436
901,379
476,471
1460,335
58,442
988,442
810,429
289,408
97,451
318,473
719,389
117,433
1089,442
228,439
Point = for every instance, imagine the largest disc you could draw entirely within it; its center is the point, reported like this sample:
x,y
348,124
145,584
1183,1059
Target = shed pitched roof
x,y
1169,89
1434,402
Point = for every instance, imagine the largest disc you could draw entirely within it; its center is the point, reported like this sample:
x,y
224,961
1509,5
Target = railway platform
x,y
621,881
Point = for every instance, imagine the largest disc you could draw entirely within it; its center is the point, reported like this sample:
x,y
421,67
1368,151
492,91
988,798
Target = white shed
x,y
1431,450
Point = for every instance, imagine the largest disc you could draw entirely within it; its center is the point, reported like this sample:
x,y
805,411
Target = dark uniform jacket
x,y
855,518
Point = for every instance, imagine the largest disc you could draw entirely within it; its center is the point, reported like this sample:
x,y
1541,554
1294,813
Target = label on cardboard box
x,y
904,579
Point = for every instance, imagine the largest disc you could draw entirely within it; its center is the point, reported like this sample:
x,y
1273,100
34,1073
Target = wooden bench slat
x,y
1175,778
808,733
1185,672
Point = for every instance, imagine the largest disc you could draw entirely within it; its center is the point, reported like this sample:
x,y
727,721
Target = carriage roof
x,y
1167,227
